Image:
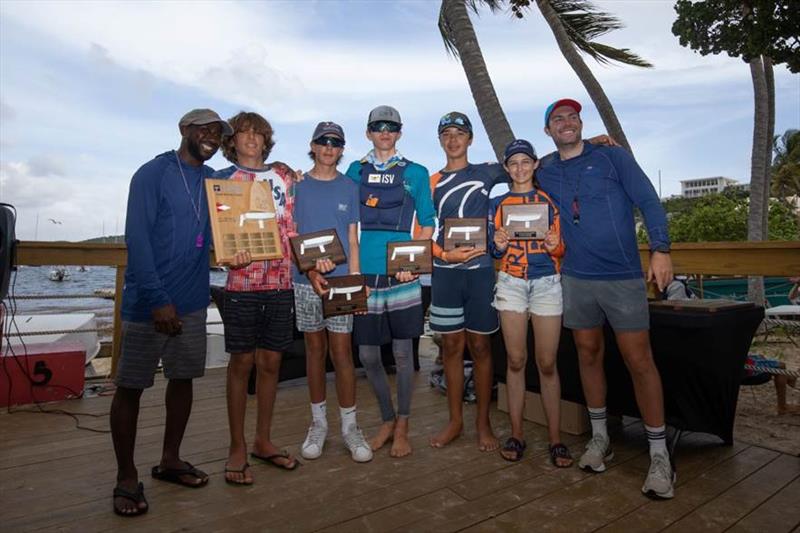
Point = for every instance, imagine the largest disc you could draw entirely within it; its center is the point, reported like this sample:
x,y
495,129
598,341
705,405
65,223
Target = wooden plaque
x,y
309,247
526,222
347,295
409,256
243,217
467,232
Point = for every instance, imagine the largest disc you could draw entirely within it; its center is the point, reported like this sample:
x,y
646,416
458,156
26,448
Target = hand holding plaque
x,y
346,295
309,247
465,232
526,222
415,257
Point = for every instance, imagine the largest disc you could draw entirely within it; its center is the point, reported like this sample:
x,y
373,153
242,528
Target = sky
x,y
90,91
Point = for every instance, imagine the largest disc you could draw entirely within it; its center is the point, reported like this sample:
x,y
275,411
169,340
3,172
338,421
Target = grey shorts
x,y
182,356
308,313
588,303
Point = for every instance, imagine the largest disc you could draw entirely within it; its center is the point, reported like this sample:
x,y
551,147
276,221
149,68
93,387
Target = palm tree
x,y
786,165
460,40
575,23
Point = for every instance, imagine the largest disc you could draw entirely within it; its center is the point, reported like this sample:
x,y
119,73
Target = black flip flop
x,y
270,460
240,471
136,497
514,445
173,475
559,451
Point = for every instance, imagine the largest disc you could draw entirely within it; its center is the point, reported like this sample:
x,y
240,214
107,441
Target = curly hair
x,y
243,121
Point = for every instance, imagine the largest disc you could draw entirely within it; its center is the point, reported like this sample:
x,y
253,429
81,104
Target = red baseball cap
x,y
558,103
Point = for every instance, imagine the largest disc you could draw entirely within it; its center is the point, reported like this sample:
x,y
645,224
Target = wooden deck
x,y
56,477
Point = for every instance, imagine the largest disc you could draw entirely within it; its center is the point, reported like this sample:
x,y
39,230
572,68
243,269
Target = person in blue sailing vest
x,y
391,190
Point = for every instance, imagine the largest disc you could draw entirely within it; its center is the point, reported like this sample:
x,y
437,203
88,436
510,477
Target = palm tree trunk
x,y
755,218
769,76
480,84
573,57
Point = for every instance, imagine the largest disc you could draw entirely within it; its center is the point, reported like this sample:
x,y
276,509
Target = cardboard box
x,y
574,417
57,367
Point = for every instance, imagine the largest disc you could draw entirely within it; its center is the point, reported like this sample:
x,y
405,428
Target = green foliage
x,y
786,164
584,23
783,221
741,28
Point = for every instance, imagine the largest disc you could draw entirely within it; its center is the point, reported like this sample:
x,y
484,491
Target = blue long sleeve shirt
x,y
167,233
596,193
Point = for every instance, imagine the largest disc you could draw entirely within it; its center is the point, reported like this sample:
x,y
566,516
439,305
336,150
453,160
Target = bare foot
x,y
789,409
238,475
450,433
383,435
400,445
487,442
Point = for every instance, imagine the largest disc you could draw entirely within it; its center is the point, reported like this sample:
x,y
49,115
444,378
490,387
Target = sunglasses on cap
x,y
383,125
328,140
447,120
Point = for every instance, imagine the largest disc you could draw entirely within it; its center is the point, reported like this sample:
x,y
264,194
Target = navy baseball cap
x,y
327,128
519,146
454,119
569,102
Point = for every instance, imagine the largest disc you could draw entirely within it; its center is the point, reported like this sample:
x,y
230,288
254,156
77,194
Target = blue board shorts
x,y
394,311
462,299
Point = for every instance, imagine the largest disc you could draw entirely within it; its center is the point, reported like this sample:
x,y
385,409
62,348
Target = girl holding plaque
x,y
528,287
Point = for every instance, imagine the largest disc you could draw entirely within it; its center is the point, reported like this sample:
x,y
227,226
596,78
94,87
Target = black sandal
x,y
243,482
136,497
174,475
515,446
559,451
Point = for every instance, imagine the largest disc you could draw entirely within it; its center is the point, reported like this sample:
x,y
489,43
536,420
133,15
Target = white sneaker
x,y
660,478
315,441
359,448
598,450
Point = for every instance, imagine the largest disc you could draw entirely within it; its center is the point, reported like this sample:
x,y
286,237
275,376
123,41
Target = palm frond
x,y
473,5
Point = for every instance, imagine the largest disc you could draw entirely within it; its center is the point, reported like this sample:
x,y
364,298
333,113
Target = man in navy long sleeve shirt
x,y
596,189
164,301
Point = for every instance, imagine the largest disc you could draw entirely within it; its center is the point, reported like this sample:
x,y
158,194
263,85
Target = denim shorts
x,y
539,296
589,303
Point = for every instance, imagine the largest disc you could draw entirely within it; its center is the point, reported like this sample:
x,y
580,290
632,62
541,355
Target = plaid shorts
x,y
308,313
262,319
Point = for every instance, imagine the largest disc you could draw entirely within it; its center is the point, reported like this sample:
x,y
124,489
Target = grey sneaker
x,y
315,441
660,478
360,450
598,450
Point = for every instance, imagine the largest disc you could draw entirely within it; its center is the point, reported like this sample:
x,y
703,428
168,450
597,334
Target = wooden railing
x,y
770,258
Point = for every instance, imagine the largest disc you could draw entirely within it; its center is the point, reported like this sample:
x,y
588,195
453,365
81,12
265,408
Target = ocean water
x,y
34,281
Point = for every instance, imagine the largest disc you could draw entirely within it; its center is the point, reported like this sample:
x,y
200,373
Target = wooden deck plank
x,y
779,513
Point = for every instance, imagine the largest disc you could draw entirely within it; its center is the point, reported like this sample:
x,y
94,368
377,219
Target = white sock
x,y
319,412
597,416
657,437
348,415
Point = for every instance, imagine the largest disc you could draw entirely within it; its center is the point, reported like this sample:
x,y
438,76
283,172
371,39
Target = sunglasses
x,y
383,125
447,120
327,140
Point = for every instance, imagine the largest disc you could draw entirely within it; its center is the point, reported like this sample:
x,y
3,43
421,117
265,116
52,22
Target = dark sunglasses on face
x,y
326,140
383,125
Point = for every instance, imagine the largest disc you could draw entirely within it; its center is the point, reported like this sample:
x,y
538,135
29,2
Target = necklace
x,y
198,241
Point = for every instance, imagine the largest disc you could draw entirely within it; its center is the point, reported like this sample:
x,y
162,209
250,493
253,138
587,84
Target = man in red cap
x,y
596,189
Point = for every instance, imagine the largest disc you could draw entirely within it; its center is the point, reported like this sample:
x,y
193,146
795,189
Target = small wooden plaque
x,y
409,256
526,222
243,217
466,232
309,247
347,295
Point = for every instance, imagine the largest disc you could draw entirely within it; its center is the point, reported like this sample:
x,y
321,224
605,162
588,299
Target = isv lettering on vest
x,y
380,178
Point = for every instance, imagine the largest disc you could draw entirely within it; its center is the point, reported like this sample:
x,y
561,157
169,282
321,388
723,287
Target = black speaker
x,y
8,243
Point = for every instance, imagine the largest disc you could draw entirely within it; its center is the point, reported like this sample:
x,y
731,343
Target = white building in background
x,y
703,186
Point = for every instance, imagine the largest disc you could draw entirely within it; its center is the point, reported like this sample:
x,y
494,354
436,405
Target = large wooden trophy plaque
x,y
310,247
526,222
346,295
464,232
243,218
409,256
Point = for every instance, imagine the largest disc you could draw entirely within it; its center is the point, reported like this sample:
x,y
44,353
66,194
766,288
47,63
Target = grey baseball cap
x,y
201,117
327,128
384,112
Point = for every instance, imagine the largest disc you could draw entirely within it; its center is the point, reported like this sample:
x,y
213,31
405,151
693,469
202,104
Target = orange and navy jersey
x,y
526,259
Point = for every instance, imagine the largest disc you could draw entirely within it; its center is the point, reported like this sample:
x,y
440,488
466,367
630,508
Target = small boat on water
x,y
59,274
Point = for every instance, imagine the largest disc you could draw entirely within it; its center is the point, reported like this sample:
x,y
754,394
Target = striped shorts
x,y
308,313
394,311
263,319
182,356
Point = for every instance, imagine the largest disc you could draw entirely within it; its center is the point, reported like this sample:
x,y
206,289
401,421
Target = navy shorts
x,y
462,299
254,320
394,311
